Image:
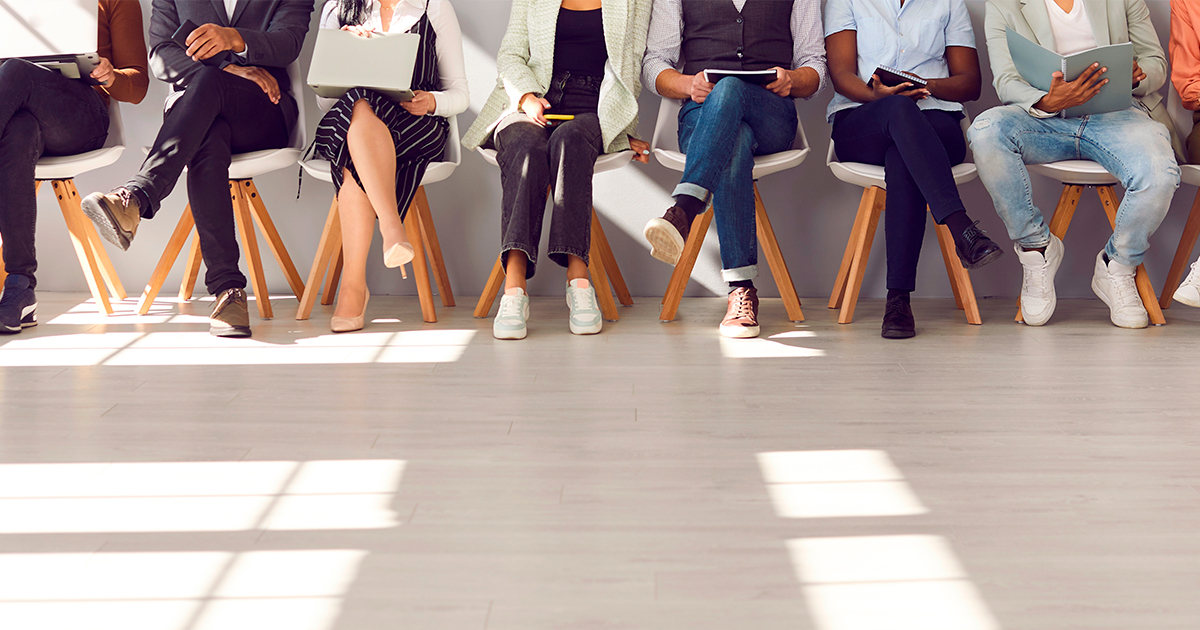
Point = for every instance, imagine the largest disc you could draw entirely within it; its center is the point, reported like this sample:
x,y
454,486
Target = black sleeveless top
x,y
579,43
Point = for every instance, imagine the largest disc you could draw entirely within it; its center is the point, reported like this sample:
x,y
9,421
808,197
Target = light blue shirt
x,y
912,38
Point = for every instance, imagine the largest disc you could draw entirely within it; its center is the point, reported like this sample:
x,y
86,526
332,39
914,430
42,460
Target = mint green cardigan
x,y
526,61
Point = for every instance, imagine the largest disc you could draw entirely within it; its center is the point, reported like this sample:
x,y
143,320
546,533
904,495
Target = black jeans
x,y
41,113
218,115
917,148
562,157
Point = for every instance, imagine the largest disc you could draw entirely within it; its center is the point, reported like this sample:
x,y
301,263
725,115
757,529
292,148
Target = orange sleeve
x,y
124,45
1185,51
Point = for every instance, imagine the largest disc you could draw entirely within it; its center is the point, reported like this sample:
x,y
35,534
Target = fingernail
x,y
644,152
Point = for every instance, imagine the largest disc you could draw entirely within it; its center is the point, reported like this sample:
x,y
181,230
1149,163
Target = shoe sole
x,y
666,244
898,334
106,223
986,260
514,335
229,332
397,256
1185,300
28,320
739,332
586,330
1100,294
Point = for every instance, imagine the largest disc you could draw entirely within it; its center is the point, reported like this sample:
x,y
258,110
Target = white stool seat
x,y
867,175
1077,172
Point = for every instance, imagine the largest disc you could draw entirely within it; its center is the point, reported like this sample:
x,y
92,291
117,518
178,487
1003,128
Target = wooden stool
x,y
1061,220
858,249
247,203
602,267
771,251
1190,175
327,266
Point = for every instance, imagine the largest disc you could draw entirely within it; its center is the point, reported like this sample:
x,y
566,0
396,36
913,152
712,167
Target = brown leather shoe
x,y
741,319
116,215
230,317
667,235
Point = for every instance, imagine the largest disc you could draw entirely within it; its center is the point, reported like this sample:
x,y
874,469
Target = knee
x,y
571,138
521,140
205,80
16,70
362,112
992,129
1158,175
23,128
897,106
726,91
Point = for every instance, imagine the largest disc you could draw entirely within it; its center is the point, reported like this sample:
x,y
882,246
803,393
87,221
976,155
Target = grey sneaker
x,y
510,320
585,311
116,215
1114,284
230,317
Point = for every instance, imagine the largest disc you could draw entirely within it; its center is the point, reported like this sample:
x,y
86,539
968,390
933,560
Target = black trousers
x,y
917,149
218,115
41,113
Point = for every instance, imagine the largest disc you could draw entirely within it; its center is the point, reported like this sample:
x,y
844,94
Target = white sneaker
x,y
1038,298
585,311
1189,292
1114,283
514,312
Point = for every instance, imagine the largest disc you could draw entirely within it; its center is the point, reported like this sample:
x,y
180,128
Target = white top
x,y
454,97
1072,31
230,5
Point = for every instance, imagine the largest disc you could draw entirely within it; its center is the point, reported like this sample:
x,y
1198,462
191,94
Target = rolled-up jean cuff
x,y
559,256
1035,242
749,272
530,267
691,190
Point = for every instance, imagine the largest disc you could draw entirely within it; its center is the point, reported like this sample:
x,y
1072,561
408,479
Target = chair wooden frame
x,y
98,270
1061,220
327,265
682,273
602,267
858,249
1183,255
248,209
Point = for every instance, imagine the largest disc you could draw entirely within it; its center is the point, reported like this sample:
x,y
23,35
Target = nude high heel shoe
x,y
350,324
398,254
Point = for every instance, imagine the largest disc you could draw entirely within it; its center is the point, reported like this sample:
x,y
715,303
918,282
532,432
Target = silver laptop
x,y
343,60
58,34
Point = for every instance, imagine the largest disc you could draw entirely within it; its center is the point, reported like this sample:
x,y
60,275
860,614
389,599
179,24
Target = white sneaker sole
x,y
586,330
666,244
510,334
739,332
28,319
1133,324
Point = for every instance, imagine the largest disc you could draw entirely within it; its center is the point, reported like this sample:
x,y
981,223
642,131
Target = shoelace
x,y
972,234
124,194
1193,276
582,299
1035,278
1126,288
509,308
893,306
743,308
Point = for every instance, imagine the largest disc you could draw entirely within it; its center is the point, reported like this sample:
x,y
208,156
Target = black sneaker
x,y
18,305
898,319
975,249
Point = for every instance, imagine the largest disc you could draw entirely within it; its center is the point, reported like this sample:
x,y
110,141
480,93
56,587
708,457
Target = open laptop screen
x,y
43,28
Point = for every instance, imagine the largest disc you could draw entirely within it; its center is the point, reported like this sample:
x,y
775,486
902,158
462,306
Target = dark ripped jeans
x,y
41,113
561,157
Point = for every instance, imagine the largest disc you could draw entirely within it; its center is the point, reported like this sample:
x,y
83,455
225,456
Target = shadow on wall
x,y
811,210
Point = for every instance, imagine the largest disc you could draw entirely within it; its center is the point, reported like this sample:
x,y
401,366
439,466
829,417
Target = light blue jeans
x,y
1129,144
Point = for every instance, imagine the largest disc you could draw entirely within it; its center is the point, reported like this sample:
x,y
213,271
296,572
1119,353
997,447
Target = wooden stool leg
x,y
683,270
83,247
433,246
320,264
597,271
779,269
1068,201
839,285
174,246
862,252
329,291
1183,254
3,272
1108,199
600,245
412,224
960,278
495,282
267,227
107,272
245,227
191,270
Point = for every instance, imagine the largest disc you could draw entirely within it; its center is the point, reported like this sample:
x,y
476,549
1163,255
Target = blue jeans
x,y
1129,144
721,137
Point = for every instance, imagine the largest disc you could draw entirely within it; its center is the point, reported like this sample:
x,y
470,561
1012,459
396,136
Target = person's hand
x,y
641,150
1067,94
422,103
209,40
259,76
699,88
104,72
358,29
782,85
879,90
1138,75
535,108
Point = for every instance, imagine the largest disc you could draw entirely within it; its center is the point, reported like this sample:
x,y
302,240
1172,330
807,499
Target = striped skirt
x,y
419,140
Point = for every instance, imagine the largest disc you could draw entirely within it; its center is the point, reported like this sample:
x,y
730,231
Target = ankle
x,y
740,284
689,204
899,293
958,222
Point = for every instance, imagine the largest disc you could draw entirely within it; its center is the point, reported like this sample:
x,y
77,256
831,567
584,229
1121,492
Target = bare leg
x,y
514,270
576,268
358,227
370,143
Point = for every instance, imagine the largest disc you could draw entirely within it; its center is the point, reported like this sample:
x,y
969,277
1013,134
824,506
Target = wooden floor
x,y
654,476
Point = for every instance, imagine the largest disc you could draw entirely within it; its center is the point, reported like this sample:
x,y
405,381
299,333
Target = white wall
x,y
812,211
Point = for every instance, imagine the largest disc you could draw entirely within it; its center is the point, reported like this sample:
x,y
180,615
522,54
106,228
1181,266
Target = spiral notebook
x,y
1037,64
